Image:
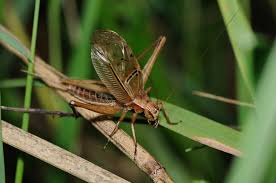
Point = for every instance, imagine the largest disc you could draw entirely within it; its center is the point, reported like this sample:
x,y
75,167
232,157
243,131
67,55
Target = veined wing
x,y
116,65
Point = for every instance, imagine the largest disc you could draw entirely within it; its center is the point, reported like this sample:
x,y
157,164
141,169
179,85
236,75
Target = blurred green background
x,y
197,56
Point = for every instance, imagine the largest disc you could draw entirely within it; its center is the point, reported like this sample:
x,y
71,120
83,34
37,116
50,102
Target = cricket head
x,y
152,112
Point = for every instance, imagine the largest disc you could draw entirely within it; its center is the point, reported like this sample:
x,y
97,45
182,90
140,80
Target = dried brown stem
x,y
38,111
223,99
146,162
55,155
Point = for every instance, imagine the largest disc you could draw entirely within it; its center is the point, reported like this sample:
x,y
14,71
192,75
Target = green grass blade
x,y
18,82
28,91
12,83
2,162
55,58
241,89
80,61
203,130
6,37
259,135
242,39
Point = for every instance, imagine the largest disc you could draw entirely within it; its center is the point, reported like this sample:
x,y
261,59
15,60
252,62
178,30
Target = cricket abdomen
x,y
90,96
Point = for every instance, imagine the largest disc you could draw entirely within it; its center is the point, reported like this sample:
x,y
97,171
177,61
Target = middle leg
x,y
124,112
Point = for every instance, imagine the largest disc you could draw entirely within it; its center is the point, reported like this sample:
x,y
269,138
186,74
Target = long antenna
x,y
220,33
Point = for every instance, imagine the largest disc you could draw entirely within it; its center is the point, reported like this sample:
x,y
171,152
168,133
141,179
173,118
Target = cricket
x,y
121,88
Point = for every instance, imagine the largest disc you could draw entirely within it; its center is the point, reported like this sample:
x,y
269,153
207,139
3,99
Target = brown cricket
x,y
121,88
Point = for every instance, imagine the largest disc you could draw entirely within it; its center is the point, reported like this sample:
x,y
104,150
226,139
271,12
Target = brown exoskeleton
x,y
121,88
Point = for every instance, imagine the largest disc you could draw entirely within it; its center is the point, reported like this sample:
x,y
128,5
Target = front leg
x,y
167,118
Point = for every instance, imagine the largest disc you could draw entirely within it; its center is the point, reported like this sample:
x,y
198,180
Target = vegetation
x,y
224,48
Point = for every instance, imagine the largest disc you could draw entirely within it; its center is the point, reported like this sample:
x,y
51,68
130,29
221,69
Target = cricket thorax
x,y
91,96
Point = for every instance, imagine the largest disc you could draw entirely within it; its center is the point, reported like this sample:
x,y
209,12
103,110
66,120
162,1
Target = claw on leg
x,y
72,106
133,119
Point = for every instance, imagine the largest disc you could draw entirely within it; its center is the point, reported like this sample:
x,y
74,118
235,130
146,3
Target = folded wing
x,y
116,65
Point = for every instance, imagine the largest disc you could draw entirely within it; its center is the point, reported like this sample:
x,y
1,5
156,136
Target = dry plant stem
x,y
55,155
223,99
146,162
38,111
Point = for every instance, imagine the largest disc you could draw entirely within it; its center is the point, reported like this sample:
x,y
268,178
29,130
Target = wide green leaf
x,y
202,129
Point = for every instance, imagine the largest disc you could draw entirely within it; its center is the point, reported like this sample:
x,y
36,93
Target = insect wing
x,y
116,65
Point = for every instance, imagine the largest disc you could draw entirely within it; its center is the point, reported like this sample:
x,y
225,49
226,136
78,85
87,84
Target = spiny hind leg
x,y
102,109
